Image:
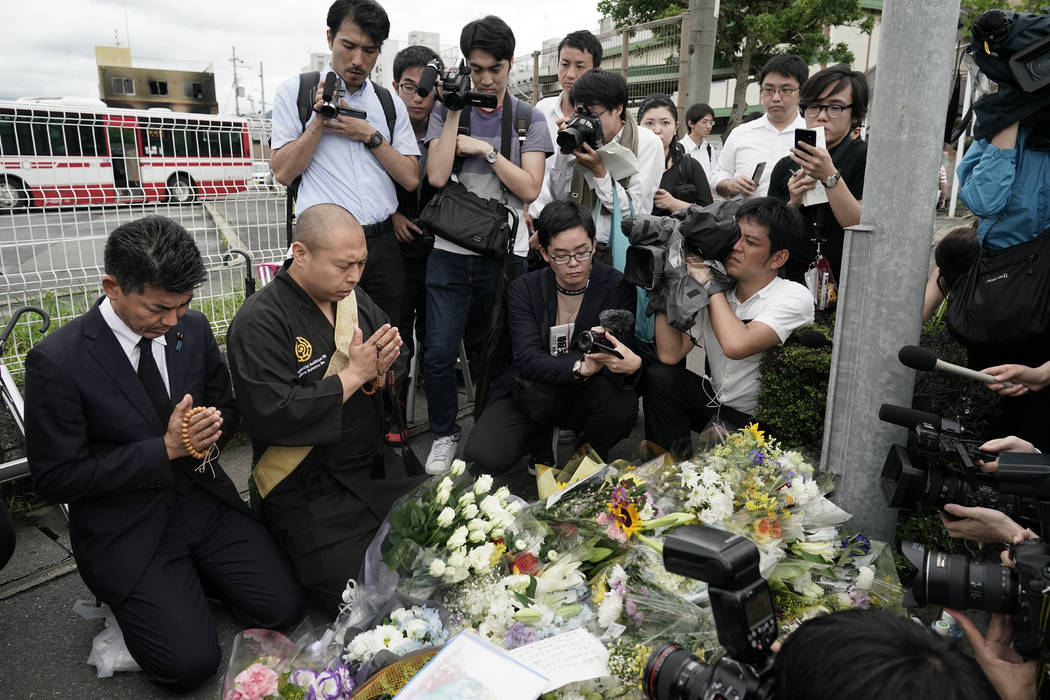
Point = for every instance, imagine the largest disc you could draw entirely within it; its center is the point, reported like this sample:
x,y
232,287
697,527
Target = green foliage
x,y
972,9
924,526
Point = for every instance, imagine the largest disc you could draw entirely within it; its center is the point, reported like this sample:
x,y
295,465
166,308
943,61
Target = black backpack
x,y
307,87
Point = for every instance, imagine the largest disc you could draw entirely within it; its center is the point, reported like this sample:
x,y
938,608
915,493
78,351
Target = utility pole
x,y
703,29
886,258
236,85
262,94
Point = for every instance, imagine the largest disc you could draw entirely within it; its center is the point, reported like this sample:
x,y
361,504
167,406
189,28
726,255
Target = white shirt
x,y
129,342
641,186
705,154
550,108
343,171
782,305
756,142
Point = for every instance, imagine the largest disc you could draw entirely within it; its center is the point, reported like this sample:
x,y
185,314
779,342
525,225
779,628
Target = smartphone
x,y
759,169
805,136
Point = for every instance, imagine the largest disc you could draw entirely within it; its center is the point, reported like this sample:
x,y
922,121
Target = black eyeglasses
x,y
833,111
782,91
581,257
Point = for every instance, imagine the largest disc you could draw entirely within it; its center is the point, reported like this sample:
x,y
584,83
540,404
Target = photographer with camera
x,y
556,316
748,314
601,130
461,284
354,156
683,182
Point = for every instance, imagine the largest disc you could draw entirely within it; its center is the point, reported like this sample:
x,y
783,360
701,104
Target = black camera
x,y
1013,49
583,127
596,341
330,96
454,85
954,581
743,610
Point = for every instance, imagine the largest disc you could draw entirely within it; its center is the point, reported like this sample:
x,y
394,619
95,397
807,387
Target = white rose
x,y
441,497
477,536
416,629
513,507
466,499
502,492
470,511
483,484
490,505
479,524
457,559
520,545
458,538
446,516
437,568
458,467
865,577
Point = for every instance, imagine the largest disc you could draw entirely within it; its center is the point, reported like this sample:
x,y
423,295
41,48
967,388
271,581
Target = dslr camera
x,y
583,127
330,95
743,610
454,85
938,468
954,581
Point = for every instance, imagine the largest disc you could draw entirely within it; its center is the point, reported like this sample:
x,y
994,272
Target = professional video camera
x,y
940,469
329,96
656,257
954,581
583,127
454,86
743,612
1013,49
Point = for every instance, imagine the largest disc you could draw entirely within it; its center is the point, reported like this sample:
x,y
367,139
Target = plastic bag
x,y
109,653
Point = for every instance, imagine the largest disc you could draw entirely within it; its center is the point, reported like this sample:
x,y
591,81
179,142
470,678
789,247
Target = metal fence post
x,y
535,77
624,53
885,260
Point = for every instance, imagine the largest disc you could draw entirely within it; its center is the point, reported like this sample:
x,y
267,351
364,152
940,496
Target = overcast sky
x,y
49,46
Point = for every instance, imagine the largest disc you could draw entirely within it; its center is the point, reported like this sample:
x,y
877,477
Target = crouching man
x,y
758,311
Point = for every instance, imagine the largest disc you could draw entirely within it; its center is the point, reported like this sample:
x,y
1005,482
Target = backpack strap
x,y
304,101
388,108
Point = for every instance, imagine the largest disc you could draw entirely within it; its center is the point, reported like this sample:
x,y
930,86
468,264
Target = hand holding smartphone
x,y
808,136
759,169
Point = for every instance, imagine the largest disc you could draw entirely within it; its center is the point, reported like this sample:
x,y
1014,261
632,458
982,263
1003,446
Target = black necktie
x,y
709,151
151,380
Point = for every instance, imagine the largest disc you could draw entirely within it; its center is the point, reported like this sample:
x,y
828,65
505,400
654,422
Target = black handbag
x,y
1005,297
476,223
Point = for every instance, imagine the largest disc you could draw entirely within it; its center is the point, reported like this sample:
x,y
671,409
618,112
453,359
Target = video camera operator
x,y
553,382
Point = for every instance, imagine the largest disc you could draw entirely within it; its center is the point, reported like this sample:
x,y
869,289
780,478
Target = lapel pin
x,y
178,338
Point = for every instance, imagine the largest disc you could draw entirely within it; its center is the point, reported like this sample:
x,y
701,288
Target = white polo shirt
x,y
782,305
343,171
753,143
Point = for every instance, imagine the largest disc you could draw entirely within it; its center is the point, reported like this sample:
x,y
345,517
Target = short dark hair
x,y
602,87
839,76
366,14
416,56
697,112
154,251
784,223
785,64
901,659
585,41
561,215
954,255
490,34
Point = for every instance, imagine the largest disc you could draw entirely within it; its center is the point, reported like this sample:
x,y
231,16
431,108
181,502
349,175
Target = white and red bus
x,y
55,154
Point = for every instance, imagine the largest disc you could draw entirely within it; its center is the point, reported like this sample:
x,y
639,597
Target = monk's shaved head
x,y
315,227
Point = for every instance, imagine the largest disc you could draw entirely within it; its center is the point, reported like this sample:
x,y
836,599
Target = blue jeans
x,y
460,288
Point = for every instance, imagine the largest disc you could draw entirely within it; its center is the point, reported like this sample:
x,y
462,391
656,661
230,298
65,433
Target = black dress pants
x,y
384,274
208,546
677,401
503,433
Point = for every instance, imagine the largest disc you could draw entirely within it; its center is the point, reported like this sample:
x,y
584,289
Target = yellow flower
x,y
627,518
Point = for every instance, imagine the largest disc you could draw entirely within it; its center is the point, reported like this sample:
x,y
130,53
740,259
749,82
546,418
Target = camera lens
x,y
569,139
953,581
672,673
328,110
586,341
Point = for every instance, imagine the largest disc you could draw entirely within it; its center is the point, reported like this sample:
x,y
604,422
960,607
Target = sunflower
x,y
627,518
755,434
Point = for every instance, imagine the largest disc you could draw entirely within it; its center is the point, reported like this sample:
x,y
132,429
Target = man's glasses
x,y
407,88
578,257
782,91
813,111
707,122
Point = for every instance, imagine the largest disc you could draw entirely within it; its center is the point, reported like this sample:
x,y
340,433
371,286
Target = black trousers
x,y
208,548
7,536
384,274
600,408
677,401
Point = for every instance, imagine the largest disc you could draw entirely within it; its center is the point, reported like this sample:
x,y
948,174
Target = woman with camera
x,y
683,182
552,383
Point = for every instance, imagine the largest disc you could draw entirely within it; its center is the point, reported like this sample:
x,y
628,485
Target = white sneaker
x,y
441,455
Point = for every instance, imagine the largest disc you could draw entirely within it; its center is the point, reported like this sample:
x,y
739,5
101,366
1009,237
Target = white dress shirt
x,y
756,142
129,342
705,154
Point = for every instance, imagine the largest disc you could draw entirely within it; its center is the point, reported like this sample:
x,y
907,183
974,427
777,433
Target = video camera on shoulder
x,y
583,127
453,87
743,610
330,95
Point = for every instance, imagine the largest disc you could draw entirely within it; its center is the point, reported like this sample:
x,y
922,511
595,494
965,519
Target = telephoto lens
x,y
672,673
954,581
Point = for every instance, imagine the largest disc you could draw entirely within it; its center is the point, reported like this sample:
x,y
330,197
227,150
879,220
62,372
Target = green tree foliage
x,y
972,9
750,32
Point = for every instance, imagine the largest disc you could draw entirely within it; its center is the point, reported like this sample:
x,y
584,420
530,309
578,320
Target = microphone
x,y
908,417
814,339
427,79
619,321
925,361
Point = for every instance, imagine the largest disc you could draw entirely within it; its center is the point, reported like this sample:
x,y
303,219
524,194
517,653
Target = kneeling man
x,y
759,311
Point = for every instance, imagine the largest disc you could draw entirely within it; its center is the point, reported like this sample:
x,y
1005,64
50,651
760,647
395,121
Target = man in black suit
x,y
154,529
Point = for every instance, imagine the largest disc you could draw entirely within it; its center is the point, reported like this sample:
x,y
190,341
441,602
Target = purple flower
x,y
857,545
619,494
757,456
303,677
346,681
519,635
326,686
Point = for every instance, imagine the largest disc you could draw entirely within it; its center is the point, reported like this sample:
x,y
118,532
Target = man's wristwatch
x,y
833,180
375,141
576,374
491,156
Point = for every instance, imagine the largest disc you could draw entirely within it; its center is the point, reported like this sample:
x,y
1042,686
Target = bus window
x,y
57,140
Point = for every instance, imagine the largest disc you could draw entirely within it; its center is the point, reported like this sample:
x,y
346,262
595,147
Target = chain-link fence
x,y
69,176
